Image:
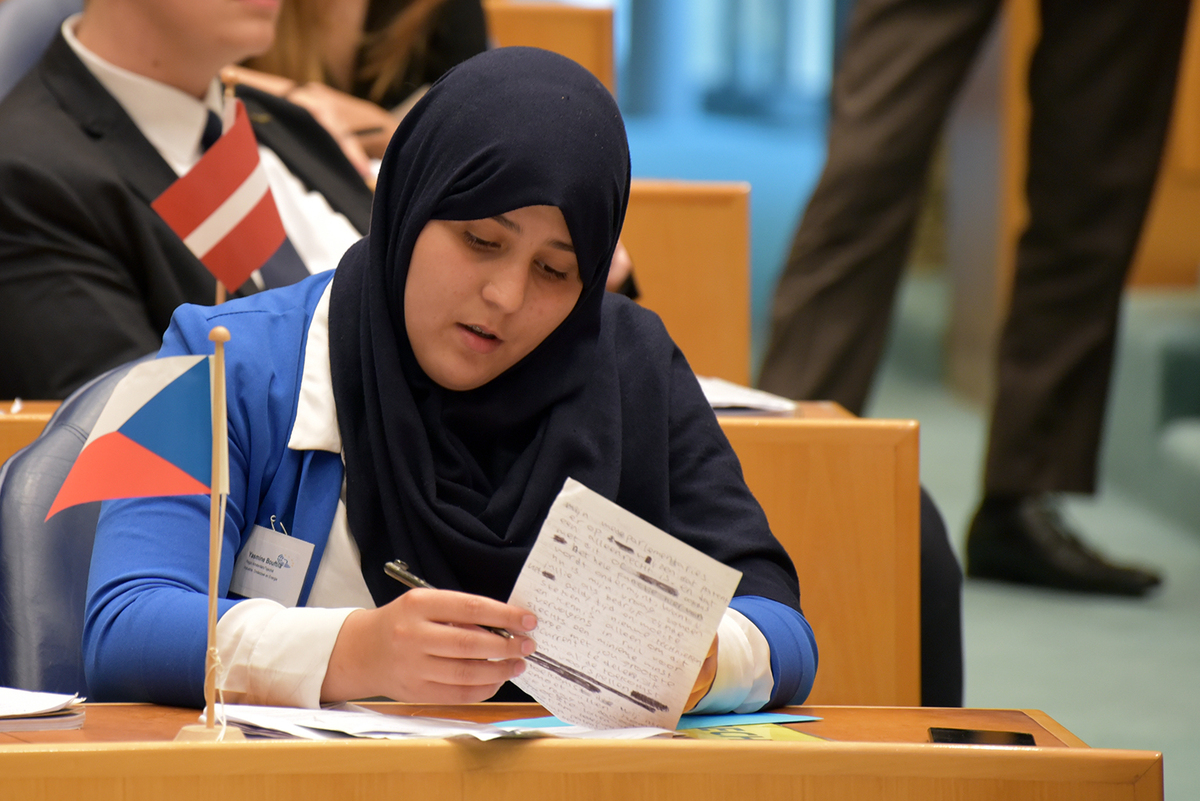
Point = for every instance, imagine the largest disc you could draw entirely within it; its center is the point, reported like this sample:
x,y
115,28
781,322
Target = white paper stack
x,y
23,710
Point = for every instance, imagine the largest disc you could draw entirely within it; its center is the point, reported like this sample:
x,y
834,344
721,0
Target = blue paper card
x,y
685,722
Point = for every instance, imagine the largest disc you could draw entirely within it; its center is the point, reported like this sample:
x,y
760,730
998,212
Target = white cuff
x,y
744,681
276,656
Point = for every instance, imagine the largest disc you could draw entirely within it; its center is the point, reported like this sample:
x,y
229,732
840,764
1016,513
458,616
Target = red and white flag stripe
x,y
223,209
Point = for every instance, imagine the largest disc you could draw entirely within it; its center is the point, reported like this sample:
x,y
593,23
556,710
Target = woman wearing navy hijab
x,y
461,363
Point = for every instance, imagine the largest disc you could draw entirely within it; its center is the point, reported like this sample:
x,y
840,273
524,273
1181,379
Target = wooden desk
x,y
582,34
20,429
873,753
841,493
690,245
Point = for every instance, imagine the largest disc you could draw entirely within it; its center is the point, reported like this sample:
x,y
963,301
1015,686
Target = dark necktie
x,y
212,131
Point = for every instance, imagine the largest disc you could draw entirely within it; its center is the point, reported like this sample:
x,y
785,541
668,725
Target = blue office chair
x,y
44,564
26,29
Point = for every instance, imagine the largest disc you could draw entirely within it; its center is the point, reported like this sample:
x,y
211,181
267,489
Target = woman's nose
x,y
506,286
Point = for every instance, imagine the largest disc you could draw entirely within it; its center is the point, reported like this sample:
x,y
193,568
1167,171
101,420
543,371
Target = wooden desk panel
x,y
582,34
842,495
94,763
20,429
690,245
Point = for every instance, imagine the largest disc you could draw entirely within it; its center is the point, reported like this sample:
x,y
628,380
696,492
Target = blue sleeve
x,y
793,647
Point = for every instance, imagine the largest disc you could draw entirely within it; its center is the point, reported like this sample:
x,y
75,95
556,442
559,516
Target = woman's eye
x,y
476,243
557,275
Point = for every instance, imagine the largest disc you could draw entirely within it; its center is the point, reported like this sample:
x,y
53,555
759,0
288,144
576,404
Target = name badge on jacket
x,y
271,565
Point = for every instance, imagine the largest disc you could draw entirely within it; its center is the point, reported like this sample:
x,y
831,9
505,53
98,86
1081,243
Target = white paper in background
x,y
725,396
626,614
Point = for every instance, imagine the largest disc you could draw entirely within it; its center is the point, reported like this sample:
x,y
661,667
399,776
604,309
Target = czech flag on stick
x,y
223,209
163,432
153,437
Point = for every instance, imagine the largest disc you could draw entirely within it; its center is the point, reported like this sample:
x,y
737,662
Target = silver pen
x,y
400,572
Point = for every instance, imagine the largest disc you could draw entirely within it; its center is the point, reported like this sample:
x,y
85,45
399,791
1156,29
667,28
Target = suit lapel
x,y
104,120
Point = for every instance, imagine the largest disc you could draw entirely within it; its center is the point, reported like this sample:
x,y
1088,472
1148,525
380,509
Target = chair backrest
x,y
690,245
26,28
44,564
582,34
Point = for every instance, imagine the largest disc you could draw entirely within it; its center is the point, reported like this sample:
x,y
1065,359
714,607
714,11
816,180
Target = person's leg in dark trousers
x,y
941,612
902,65
1102,82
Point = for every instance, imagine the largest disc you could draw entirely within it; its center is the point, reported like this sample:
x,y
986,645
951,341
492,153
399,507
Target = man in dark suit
x,y
110,117
1101,85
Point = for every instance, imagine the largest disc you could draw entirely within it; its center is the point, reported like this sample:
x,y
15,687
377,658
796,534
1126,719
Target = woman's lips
x,y
478,338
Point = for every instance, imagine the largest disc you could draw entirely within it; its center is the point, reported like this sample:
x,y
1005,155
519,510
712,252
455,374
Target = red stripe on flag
x,y
115,466
228,163
245,248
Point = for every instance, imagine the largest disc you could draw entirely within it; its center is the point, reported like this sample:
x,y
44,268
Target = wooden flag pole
x,y
209,732
221,292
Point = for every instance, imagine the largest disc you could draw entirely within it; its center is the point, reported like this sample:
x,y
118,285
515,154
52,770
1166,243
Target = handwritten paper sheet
x,y
626,614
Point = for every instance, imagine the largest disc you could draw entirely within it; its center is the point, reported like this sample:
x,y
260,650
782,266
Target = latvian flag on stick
x,y
153,437
222,208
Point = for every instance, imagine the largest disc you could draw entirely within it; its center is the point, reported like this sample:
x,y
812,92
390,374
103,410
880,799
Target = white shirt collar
x,y
172,120
315,427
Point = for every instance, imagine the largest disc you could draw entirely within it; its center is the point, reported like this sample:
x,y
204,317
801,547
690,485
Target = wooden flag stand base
x,y
203,733
209,732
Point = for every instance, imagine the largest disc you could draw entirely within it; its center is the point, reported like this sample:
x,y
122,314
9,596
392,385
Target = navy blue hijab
x,y
457,484
441,478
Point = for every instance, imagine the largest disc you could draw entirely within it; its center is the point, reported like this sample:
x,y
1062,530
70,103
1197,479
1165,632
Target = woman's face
x,y
482,294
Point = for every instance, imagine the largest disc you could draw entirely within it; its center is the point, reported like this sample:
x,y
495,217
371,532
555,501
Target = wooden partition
x,y
690,245
19,429
841,494
582,34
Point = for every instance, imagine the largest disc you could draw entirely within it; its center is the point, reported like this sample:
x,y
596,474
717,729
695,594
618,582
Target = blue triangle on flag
x,y
176,424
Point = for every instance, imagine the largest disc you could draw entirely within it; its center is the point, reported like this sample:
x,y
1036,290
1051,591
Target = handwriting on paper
x,y
626,614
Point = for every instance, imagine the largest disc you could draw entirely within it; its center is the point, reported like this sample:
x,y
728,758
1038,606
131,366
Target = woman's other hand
x,y
361,128
427,647
708,672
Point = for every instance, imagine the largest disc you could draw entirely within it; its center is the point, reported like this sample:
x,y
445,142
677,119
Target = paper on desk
x,y
350,720
24,703
626,614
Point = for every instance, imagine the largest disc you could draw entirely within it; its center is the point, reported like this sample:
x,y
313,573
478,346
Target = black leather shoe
x,y
1025,541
